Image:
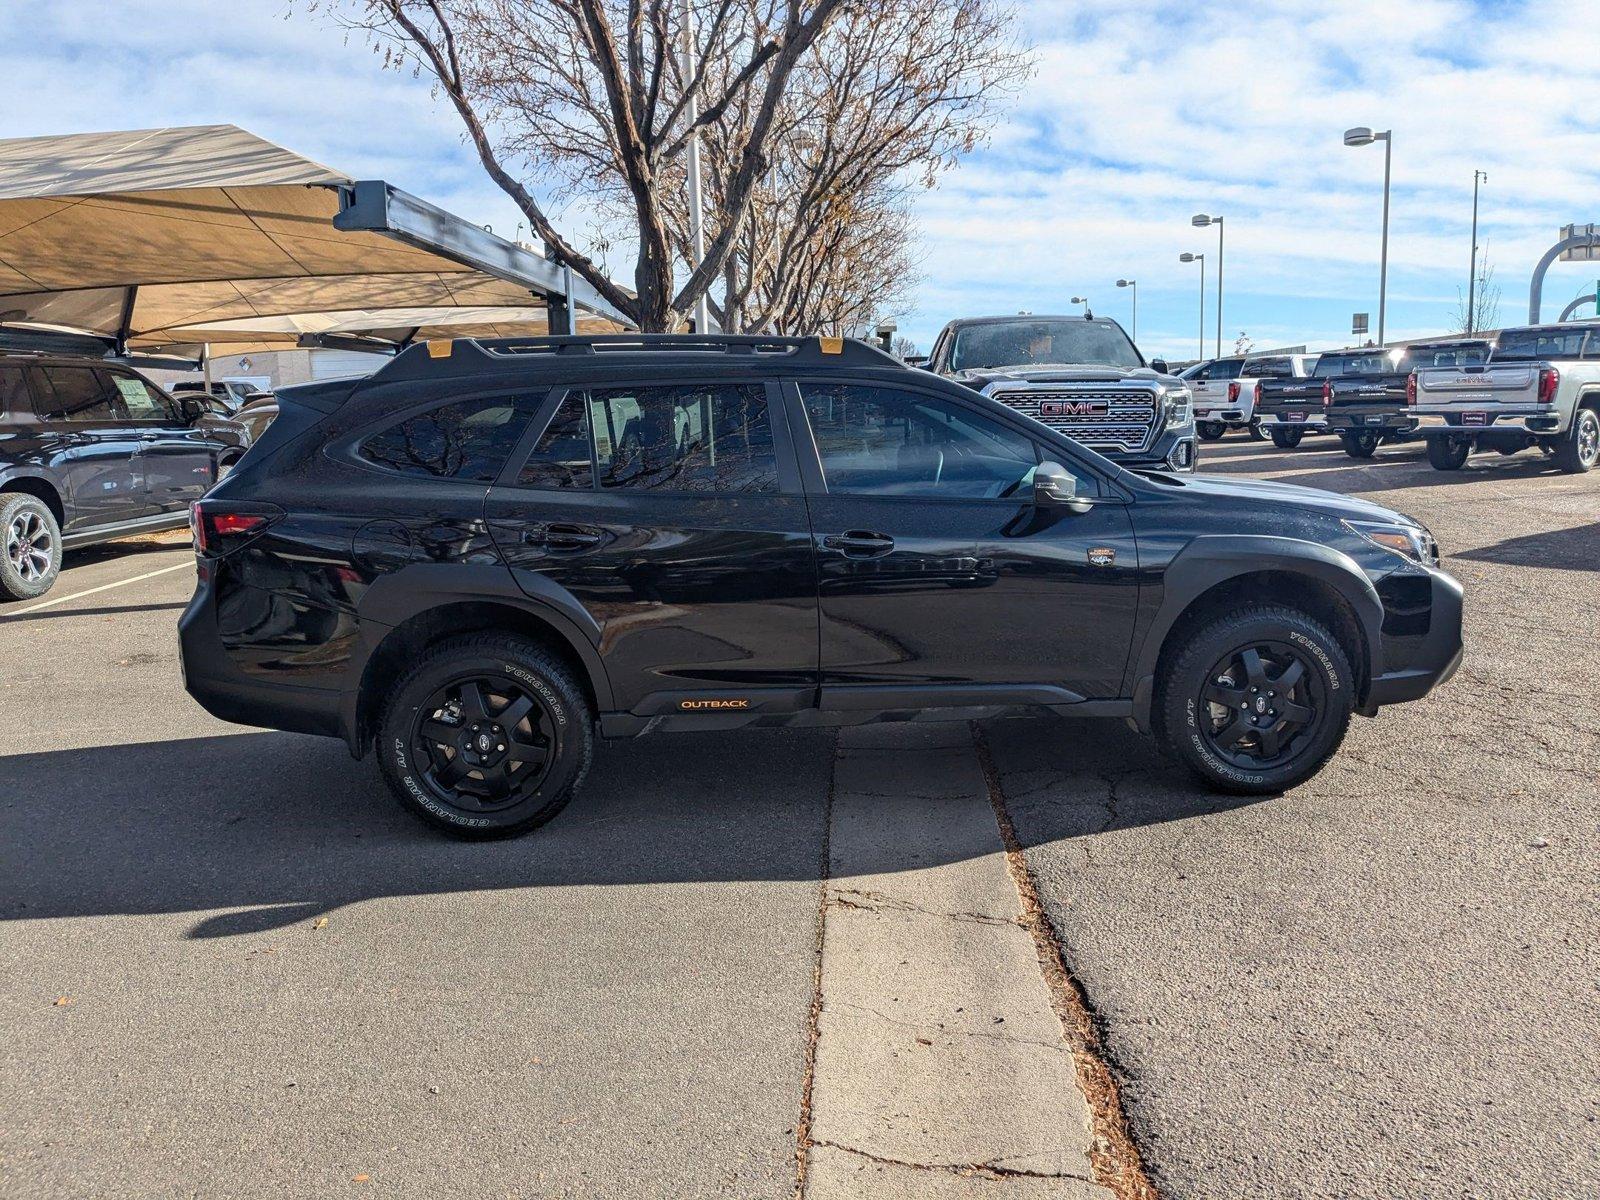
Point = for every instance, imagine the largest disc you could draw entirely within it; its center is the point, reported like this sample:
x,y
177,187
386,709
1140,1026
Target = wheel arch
x,y
43,488
1214,574
405,613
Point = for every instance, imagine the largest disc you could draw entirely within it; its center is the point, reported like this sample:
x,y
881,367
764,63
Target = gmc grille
x,y
1127,425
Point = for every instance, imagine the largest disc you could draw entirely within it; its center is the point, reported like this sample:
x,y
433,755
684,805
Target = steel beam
x,y
1536,291
373,206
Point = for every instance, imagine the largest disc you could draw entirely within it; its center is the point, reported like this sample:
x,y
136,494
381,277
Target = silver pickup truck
x,y
1541,387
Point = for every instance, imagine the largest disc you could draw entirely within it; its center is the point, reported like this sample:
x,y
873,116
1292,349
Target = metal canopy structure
x,y
159,239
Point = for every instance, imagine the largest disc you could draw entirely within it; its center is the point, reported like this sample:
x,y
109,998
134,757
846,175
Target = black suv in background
x,y
476,558
91,450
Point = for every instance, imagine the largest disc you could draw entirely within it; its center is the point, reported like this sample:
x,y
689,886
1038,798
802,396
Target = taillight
x,y
1549,381
1327,393
220,528
1411,388
1233,392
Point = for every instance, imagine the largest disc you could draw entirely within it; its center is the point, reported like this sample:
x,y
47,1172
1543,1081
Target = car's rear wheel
x,y
1211,431
1581,448
1287,439
1255,433
487,736
1361,443
1448,452
31,557
1255,701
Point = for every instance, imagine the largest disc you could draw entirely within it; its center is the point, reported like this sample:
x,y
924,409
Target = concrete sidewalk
x,y
940,1068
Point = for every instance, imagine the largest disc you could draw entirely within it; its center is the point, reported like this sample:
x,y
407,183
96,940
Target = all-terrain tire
x,y
30,546
502,665
1448,452
1184,718
1579,450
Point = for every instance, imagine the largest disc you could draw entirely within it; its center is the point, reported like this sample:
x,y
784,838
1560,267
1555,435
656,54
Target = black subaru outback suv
x,y
91,450
486,553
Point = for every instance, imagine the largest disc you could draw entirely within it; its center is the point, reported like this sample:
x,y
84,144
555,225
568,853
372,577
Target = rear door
x,y
97,451
674,516
940,582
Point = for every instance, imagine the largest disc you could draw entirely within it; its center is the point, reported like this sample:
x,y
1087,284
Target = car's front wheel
x,y
487,736
32,549
1211,431
1256,701
1287,439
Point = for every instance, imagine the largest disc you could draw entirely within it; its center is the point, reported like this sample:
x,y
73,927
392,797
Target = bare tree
x,y
592,95
904,347
1485,305
893,95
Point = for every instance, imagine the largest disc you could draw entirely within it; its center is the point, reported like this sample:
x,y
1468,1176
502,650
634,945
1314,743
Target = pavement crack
x,y
802,1127
991,1168
870,901
1113,1154
946,1030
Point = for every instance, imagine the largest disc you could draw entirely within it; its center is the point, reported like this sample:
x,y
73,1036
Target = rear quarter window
x,y
470,440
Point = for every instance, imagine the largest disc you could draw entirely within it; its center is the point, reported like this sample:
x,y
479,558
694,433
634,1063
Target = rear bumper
x,y
1389,420
1316,419
1519,418
227,693
1414,666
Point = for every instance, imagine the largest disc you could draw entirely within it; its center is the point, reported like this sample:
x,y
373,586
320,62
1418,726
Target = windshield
x,y
1528,344
1028,341
1376,363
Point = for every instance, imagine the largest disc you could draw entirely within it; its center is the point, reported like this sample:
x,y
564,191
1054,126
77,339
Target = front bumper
x,y
1412,666
1520,418
1174,450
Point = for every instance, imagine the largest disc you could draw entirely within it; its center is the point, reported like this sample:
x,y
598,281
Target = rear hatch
x,y
1358,396
1464,389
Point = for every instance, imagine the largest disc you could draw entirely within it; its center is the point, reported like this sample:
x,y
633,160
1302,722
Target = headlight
x,y
1177,408
1406,540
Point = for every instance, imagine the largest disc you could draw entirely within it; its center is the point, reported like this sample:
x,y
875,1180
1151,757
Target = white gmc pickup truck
x,y
1541,387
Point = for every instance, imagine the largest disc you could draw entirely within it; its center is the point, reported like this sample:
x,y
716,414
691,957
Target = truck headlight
x,y
1408,541
1178,408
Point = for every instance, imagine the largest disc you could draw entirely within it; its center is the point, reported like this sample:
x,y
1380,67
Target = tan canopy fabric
x,y
153,236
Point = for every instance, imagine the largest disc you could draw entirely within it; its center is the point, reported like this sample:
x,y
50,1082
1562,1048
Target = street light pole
x,y
1200,221
1362,136
1134,284
1472,272
1201,259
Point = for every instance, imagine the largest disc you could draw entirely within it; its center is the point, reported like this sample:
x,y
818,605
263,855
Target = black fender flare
x,y
1215,558
395,598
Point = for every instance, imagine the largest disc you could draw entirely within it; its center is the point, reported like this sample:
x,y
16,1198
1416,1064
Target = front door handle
x,y
149,437
565,537
860,543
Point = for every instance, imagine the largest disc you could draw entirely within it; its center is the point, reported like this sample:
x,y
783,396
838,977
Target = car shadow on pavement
x,y
256,831
1575,549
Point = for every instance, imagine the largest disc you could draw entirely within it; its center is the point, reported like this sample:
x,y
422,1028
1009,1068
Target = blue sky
x,y
1140,114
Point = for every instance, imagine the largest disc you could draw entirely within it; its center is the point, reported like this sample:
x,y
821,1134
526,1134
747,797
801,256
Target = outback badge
x,y
1102,556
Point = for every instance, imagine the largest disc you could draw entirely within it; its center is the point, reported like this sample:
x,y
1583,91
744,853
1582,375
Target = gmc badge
x,y
1074,408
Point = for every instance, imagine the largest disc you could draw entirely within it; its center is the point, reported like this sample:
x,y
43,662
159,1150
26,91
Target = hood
x,y
1063,373
1227,487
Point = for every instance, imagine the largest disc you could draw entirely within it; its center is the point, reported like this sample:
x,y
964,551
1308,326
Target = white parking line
x,y
104,587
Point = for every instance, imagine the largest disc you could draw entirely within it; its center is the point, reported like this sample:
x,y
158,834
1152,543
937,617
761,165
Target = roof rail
x,y
441,355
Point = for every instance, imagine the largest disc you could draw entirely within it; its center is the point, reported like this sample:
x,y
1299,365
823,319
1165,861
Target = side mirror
x,y
1056,487
1159,366
190,409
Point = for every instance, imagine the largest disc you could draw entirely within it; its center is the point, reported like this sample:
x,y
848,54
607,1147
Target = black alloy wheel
x,y
1286,439
488,735
483,743
1211,431
1263,703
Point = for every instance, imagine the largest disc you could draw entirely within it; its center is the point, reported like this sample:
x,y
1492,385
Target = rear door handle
x,y
860,543
566,537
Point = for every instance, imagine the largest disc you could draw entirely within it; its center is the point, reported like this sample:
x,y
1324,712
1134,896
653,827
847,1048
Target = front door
x,y
675,517
177,462
940,581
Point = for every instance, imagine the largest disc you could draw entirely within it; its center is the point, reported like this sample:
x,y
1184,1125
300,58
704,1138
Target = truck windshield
x,y
1376,363
1524,345
1030,341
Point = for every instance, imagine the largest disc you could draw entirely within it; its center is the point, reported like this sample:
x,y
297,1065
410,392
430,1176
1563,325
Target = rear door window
x,y
78,394
467,439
